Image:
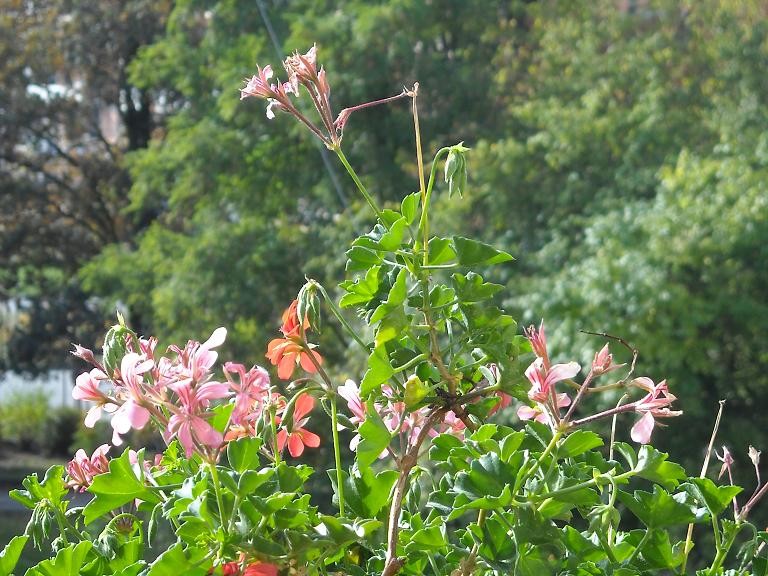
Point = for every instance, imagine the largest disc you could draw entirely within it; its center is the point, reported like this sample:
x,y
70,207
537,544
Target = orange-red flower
x,y
292,350
298,437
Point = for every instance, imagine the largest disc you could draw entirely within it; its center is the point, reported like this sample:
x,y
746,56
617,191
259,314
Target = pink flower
x,y
538,340
537,412
189,423
261,569
132,413
351,393
87,388
298,437
603,362
82,469
249,390
653,405
543,379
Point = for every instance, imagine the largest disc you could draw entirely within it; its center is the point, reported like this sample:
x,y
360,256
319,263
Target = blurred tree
x,y
69,114
246,206
634,190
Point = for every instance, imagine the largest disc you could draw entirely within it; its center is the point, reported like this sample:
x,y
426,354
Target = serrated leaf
x,y
243,453
375,437
176,561
362,290
475,253
393,238
67,562
440,251
715,498
379,371
116,488
579,442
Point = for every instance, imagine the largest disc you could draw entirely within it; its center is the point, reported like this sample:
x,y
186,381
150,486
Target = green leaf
x,y
373,491
243,453
579,442
360,258
68,561
221,414
375,437
362,290
475,253
653,465
395,298
9,557
715,498
116,488
175,561
472,289
658,552
409,206
52,488
379,371
393,238
251,480
440,251
659,509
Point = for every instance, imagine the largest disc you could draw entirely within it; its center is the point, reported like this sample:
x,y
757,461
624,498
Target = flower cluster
x,y
81,469
178,393
396,416
547,402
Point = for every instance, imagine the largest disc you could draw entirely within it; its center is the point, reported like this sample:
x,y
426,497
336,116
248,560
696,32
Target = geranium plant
x,y
439,483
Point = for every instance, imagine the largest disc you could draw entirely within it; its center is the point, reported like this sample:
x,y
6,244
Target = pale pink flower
x,y
250,390
603,362
259,86
543,379
298,437
87,388
84,354
81,469
727,460
451,424
132,413
652,406
351,393
537,412
189,423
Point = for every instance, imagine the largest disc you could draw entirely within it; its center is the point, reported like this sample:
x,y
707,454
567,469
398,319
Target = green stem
x,y
340,317
586,484
217,490
62,527
520,482
337,453
639,546
360,186
273,426
412,362
426,198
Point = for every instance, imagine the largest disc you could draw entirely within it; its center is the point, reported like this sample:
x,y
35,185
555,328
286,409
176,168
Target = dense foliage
x,y
437,485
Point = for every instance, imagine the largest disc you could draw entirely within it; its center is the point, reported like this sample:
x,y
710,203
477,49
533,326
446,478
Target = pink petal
x,y
527,413
285,367
205,433
560,372
216,339
641,431
93,416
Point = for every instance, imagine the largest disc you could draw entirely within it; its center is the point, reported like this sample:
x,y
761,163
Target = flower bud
x,y
116,345
456,170
309,305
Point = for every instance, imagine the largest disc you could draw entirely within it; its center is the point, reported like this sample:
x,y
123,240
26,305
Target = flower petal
x,y
641,431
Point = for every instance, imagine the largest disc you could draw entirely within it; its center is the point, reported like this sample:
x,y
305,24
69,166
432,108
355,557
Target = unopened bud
x,y
308,307
456,170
